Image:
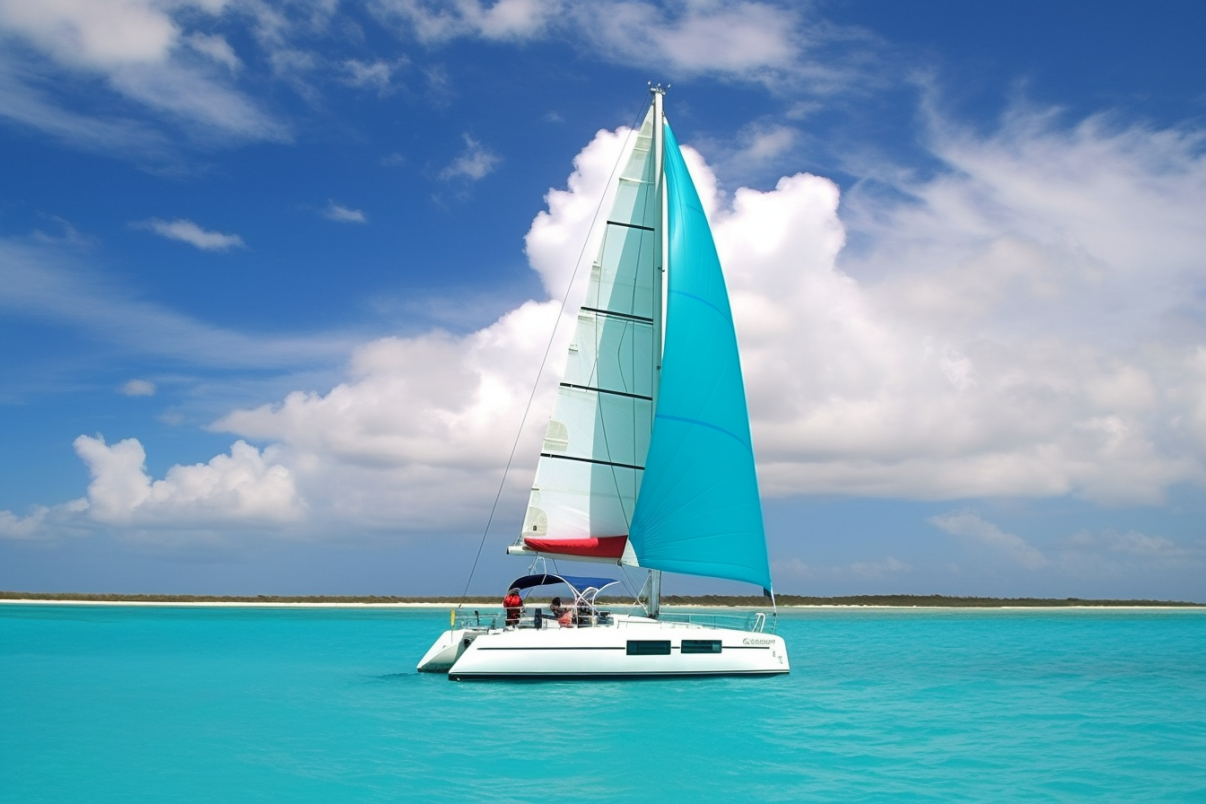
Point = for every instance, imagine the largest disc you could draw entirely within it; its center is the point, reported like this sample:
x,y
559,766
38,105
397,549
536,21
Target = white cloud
x,y
243,487
474,164
1129,554
417,435
501,20
100,33
738,38
49,283
970,525
43,523
376,75
342,214
793,569
975,348
139,388
744,39
27,105
188,232
851,390
216,48
140,49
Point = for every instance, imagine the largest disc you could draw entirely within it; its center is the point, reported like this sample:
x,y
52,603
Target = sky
x,y
279,278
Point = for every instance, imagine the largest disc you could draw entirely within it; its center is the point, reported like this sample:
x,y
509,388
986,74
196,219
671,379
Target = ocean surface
x,y
192,704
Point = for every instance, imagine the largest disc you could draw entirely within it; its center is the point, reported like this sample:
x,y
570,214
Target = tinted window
x,y
701,646
648,647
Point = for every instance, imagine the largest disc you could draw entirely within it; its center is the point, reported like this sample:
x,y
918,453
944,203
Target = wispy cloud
x,y
970,525
188,232
52,284
216,48
23,102
378,75
342,214
474,164
133,51
797,570
769,43
139,388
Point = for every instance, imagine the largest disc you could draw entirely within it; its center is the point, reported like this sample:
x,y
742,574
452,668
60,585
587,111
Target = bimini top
x,y
577,583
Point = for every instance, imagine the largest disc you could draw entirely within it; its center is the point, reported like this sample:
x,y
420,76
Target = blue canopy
x,y
575,582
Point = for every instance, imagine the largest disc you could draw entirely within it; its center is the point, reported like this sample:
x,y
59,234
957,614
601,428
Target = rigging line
x,y
635,129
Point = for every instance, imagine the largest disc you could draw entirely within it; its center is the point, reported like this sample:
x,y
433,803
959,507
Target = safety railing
x,y
477,619
756,621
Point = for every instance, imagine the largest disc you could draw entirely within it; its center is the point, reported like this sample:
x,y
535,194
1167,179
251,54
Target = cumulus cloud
x,y
974,348
474,164
138,388
852,389
420,430
342,214
972,526
242,487
188,232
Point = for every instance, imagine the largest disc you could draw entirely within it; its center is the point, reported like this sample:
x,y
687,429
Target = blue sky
x,y
277,279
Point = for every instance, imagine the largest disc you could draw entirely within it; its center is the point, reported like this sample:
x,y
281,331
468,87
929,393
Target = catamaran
x,y
647,460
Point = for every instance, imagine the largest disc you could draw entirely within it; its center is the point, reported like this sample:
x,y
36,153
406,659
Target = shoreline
x,y
979,604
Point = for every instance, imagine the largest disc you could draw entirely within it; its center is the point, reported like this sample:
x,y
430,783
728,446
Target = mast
x,y
659,289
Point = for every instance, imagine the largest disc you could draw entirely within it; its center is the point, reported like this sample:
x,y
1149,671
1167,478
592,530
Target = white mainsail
x,y
593,456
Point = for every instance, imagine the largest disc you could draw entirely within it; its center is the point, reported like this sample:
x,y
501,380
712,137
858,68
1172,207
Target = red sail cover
x,y
594,547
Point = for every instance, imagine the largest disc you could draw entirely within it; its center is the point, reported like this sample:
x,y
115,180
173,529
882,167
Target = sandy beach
x,y
452,604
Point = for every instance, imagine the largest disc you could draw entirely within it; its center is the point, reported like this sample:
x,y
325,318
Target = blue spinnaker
x,y
698,511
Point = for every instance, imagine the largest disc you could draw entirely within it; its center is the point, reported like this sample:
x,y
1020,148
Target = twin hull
x,y
629,647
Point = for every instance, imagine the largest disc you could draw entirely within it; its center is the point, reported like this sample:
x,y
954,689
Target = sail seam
x,y
699,299
632,226
709,425
592,460
606,391
616,314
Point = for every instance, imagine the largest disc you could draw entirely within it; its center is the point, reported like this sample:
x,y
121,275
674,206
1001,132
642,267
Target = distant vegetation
x,y
941,601
748,602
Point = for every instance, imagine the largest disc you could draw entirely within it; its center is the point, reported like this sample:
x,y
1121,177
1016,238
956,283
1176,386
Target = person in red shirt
x,y
513,603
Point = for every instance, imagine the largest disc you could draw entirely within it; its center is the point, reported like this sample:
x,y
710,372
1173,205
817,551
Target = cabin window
x,y
648,647
701,646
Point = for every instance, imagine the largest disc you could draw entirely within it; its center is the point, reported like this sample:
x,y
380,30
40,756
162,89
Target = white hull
x,y
628,647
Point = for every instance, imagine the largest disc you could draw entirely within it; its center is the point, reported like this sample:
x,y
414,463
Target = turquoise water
x,y
137,704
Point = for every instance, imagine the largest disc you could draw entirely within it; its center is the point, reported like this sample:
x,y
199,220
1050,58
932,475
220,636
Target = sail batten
x,y
589,473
